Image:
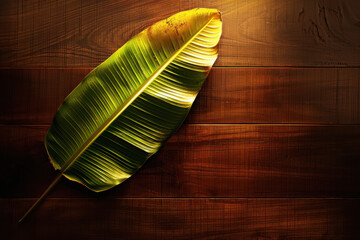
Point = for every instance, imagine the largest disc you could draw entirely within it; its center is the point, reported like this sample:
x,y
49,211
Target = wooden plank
x,y
103,218
75,33
229,95
207,161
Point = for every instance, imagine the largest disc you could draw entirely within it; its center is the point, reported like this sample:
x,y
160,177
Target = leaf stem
x,y
51,186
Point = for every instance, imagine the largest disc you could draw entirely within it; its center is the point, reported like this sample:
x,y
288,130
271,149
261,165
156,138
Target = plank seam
x,y
211,124
193,198
217,67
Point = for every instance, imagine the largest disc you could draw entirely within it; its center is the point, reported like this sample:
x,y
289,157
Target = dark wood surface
x,y
270,150
229,95
207,161
184,218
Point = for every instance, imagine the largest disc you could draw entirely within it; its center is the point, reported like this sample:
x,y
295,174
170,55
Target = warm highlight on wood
x,y
270,149
256,33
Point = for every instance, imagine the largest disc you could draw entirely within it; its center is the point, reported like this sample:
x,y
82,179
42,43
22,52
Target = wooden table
x,y
270,150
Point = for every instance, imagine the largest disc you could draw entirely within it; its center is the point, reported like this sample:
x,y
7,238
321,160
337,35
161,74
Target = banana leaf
x,y
127,107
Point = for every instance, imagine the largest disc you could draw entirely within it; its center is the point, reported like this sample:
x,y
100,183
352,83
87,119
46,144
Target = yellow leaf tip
x,y
212,11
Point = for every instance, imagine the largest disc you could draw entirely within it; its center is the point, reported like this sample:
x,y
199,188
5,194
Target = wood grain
x,y
229,95
76,33
207,161
100,218
270,149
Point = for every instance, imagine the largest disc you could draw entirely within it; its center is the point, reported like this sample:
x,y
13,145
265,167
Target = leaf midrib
x,y
127,103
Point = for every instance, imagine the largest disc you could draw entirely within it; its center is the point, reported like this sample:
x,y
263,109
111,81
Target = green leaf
x,y
126,108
